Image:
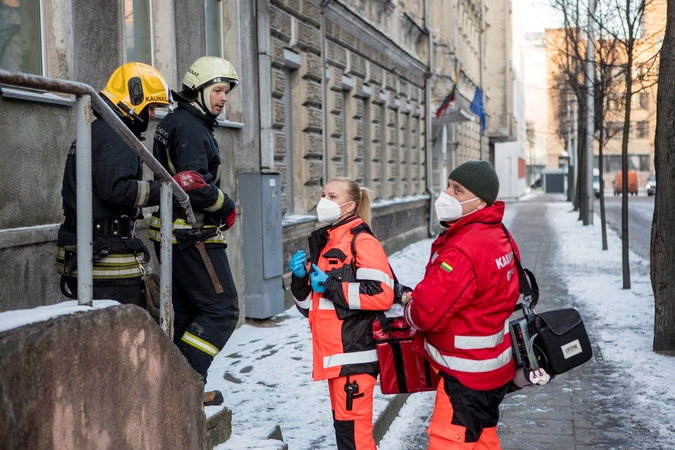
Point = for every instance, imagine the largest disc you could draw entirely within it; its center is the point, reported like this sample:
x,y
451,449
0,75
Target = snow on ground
x,y
22,317
624,317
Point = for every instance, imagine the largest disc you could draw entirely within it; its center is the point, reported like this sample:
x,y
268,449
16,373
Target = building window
x,y
214,27
642,129
138,30
20,36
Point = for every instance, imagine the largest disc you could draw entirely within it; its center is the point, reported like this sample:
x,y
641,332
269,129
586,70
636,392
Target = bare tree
x,y
663,233
627,30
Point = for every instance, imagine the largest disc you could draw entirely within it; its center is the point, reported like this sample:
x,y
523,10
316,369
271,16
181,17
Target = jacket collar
x,y
319,238
488,215
208,119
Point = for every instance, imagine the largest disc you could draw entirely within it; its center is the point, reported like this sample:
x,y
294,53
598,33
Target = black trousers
x,y
124,290
473,409
204,320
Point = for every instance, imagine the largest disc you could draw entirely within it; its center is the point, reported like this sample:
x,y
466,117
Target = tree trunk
x,y
581,156
603,223
624,152
663,233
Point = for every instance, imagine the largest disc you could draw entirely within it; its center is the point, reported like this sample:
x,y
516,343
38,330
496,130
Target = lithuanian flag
x,y
450,97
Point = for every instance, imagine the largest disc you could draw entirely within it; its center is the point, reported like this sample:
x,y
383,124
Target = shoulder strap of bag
x,y
528,283
379,315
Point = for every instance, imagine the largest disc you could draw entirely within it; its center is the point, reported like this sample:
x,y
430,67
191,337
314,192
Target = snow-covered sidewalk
x,y
265,373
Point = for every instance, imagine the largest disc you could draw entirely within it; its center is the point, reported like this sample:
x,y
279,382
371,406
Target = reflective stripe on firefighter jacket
x,y
468,293
113,266
118,190
181,224
183,141
117,185
341,317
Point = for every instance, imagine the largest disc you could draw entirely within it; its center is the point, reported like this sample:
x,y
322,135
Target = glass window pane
x,y
20,43
214,28
137,25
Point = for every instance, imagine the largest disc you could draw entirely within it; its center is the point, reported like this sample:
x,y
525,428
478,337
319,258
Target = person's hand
x,y
297,264
190,180
317,277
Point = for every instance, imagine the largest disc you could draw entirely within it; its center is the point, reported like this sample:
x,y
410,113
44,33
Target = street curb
x,y
387,416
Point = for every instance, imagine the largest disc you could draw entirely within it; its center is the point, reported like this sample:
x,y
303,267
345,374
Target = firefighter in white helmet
x,y
205,299
119,192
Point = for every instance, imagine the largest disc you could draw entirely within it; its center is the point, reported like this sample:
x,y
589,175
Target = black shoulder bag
x,y
555,341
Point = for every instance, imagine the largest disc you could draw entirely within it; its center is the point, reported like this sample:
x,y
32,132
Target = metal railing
x,y
86,97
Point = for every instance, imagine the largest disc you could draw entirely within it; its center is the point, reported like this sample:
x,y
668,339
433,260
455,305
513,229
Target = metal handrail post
x,y
85,241
166,263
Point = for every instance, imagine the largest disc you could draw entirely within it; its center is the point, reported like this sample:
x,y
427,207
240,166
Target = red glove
x,y
190,180
230,219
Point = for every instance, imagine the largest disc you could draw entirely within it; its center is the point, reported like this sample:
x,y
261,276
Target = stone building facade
x,y
327,88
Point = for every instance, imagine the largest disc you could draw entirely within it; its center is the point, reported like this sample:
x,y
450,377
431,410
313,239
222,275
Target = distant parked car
x,y
651,184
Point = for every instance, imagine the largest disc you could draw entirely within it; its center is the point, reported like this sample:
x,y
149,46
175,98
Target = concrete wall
x,y
30,196
105,379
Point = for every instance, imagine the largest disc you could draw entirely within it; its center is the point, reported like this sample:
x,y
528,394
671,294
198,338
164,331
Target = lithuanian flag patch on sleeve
x,y
447,267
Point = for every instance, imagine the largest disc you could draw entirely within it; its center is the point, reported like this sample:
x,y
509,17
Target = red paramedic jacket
x,y
465,299
341,318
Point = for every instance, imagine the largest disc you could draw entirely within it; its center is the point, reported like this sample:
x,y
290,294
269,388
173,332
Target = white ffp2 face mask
x,y
328,211
448,208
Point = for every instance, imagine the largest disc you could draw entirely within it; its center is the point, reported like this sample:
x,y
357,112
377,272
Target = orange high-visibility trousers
x,y
444,435
353,429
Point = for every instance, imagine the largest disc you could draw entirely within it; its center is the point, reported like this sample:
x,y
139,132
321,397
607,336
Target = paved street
x,y
640,210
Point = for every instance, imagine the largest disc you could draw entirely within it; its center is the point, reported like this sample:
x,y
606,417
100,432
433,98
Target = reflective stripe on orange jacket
x,y
341,317
468,292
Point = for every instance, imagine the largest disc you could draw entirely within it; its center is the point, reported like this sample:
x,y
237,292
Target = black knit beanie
x,y
480,178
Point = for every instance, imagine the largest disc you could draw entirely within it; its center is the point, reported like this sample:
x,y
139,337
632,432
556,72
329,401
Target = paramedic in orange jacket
x,y
468,292
347,280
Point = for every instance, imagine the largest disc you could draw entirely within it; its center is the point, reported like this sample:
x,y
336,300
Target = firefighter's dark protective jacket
x,y
468,292
118,193
183,141
341,317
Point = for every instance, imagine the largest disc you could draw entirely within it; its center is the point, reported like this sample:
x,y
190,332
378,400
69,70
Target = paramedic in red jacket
x,y
347,280
468,292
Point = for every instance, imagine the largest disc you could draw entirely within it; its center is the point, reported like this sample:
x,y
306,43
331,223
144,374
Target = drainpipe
x,y
265,86
324,82
428,115
482,65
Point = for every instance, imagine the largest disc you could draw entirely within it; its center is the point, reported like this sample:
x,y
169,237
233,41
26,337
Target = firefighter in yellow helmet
x,y
205,299
118,190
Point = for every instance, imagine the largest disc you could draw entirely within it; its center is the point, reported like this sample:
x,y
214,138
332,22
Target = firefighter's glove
x,y
190,180
297,264
317,278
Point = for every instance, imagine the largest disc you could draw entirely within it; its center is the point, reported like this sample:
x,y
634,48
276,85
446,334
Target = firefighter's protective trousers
x,y
353,428
204,320
463,418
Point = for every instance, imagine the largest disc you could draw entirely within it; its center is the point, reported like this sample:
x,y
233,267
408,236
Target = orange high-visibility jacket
x,y
341,318
468,292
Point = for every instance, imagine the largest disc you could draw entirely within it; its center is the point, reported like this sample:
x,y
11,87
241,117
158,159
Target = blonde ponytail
x,y
363,207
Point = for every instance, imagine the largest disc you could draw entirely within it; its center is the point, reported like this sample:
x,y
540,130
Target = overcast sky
x,y
536,15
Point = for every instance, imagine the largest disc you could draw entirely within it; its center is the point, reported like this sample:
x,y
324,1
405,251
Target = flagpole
x,y
440,120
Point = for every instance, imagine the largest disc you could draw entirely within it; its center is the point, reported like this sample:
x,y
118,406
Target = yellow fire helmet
x,y
209,70
135,85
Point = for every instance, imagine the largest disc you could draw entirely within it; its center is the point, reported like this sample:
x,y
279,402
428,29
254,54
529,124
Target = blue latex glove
x,y
317,277
297,264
